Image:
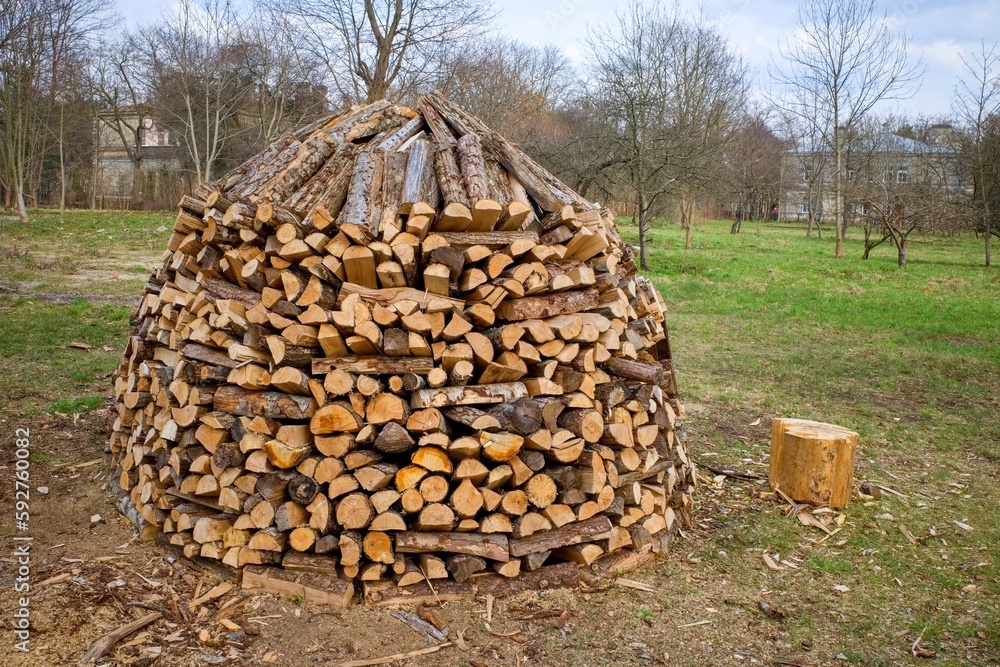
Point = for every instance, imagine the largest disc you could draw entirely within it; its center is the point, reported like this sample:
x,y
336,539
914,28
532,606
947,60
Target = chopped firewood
x,y
395,348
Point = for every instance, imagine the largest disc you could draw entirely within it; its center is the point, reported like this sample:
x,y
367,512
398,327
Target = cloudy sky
x,y
940,31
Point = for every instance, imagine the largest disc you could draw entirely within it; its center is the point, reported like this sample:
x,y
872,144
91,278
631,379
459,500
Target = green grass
x,y
82,252
765,323
75,405
39,371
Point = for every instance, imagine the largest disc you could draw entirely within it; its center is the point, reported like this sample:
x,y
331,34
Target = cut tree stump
x,y
813,462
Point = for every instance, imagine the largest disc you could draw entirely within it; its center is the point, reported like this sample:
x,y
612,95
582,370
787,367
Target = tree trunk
x,y
686,211
62,159
137,186
839,205
643,264
902,253
988,258
22,210
809,217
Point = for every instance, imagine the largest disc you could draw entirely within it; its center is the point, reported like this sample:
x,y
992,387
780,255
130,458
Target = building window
x,y
850,174
807,174
804,207
903,175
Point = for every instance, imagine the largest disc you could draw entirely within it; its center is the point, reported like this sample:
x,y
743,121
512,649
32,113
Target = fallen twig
x,y
891,490
637,585
731,473
395,657
100,647
421,626
85,464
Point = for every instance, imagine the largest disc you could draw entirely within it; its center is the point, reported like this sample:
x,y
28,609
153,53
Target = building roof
x,y
886,142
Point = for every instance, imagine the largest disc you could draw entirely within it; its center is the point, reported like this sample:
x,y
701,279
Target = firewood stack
x,y
393,347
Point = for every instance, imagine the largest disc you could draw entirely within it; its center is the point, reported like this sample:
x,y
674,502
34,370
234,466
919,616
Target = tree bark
x,y
839,206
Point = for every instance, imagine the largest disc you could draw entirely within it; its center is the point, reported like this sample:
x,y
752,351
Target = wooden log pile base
x,y
393,349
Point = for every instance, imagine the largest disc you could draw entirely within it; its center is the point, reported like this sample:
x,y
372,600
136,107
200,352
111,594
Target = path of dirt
x,y
13,288
704,612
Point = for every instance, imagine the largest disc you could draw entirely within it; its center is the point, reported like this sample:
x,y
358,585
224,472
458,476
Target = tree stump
x,y
813,462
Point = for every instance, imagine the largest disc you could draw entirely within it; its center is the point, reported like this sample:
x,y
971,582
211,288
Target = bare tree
x,y
709,91
807,160
976,105
509,85
287,80
632,85
845,55
41,42
670,89
374,47
899,188
199,82
120,87
752,166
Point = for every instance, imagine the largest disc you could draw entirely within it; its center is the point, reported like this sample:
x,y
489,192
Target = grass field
x,y
765,323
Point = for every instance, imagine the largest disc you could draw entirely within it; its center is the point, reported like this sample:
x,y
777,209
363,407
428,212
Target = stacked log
x,y
395,348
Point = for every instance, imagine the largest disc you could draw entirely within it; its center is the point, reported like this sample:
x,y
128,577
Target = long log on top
x,y
273,404
390,295
540,307
492,546
329,186
405,132
468,395
418,163
449,177
598,528
252,164
504,153
473,165
377,365
313,155
365,185
442,135
492,240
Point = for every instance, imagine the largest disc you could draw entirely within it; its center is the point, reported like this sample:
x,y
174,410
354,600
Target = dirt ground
x,y
89,578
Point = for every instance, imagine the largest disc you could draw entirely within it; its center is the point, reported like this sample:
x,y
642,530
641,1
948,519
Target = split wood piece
x,y
390,296
813,462
561,575
337,417
354,511
490,240
491,546
419,167
468,395
375,365
462,567
639,371
597,528
539,307
315,587
271,404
